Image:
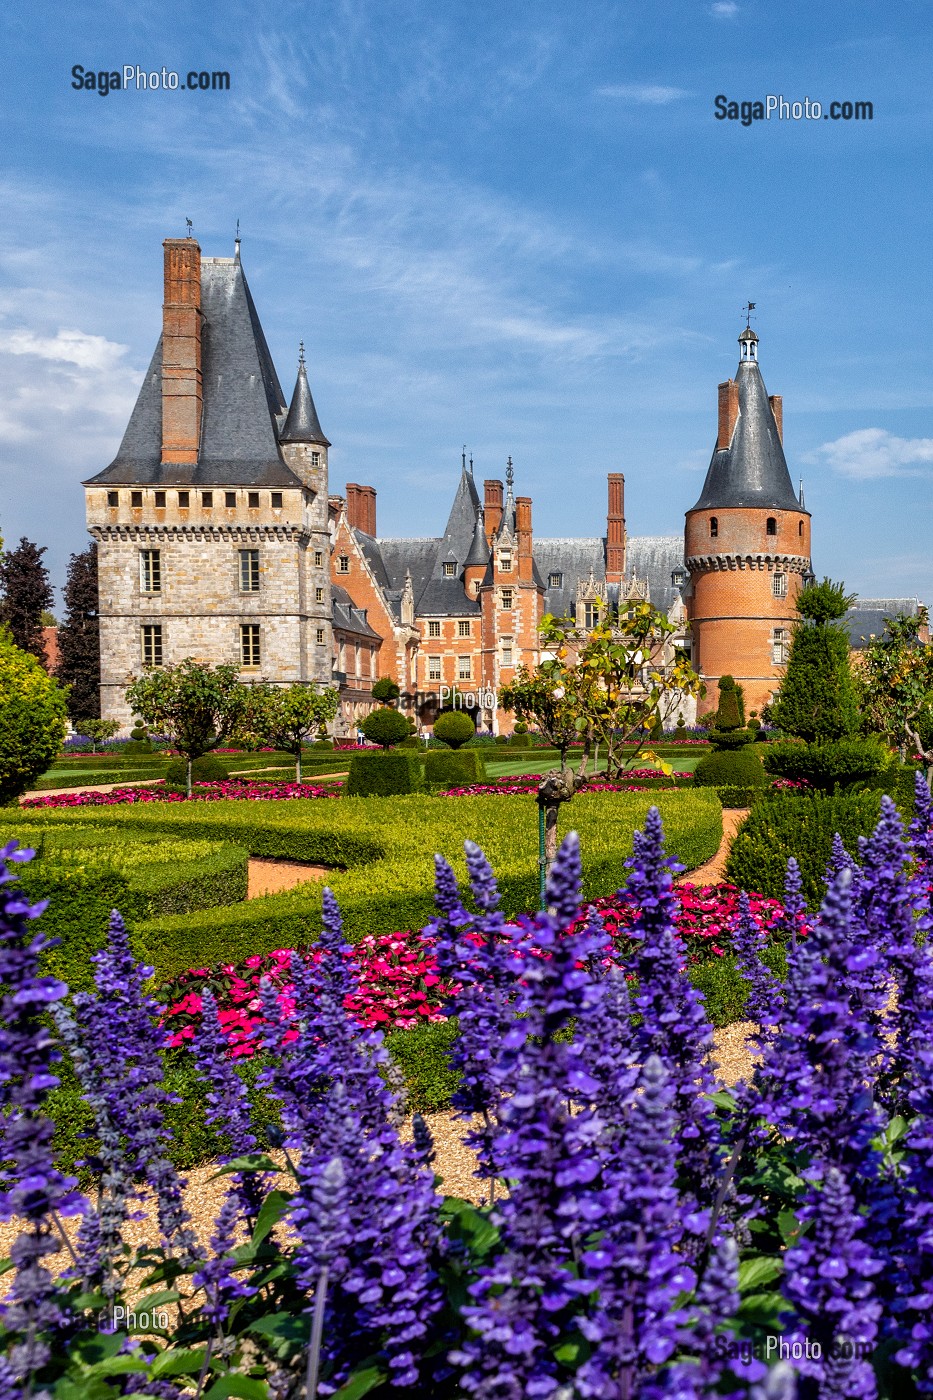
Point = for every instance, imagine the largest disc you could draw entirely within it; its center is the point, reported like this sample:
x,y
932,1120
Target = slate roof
x,y
347,616
752,470
243,400
302,423
652,557
655,557
869,617
479,548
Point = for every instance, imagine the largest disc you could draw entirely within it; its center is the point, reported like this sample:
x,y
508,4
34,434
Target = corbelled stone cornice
x,y
789,563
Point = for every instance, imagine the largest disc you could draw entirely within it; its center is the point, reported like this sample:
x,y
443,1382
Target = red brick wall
x,y
181,351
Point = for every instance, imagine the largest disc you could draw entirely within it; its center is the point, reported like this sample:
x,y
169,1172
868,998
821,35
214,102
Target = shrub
x,y
502,738
520,740
785,824
837,763
386,689
206,769
454,727
740,796
731,711
321,745
386,727
723,739
818,697
33,719
736,768
454,769
385,774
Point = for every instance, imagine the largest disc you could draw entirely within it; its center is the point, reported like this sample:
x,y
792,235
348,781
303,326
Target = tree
x,y
284,716
896,686
33,719
97,730
454,728
385,726
731,712
79,637
195,705
27,594
608,686
386,690
818,698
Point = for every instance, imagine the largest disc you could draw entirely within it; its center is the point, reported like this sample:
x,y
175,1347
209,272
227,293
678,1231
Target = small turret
x,y
302,423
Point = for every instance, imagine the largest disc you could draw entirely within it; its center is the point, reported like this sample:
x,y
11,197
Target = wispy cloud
x,y
724,9
643,94
72,347
870,453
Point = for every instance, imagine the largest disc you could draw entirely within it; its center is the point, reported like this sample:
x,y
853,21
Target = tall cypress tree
x,y
818,698
27,594
79,637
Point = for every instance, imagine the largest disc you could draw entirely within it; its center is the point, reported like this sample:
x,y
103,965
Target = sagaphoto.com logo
x,y
132,78
774,106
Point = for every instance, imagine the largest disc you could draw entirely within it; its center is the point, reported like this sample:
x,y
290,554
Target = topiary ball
x,y
454,727
731,768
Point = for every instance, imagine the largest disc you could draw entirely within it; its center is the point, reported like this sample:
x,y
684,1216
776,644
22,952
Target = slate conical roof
x,y
302,423
479,549
752,470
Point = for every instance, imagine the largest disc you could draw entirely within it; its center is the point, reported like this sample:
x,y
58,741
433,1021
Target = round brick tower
x,y
747,543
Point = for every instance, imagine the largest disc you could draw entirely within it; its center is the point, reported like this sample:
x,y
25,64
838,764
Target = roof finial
x,y
509,473
236,243
463,458
301,353
471,464
189,234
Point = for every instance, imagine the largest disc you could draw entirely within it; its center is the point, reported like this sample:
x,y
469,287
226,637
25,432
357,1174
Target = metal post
x,y
542,863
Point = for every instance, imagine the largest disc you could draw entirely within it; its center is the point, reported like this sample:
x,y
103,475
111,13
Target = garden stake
x,y
542,863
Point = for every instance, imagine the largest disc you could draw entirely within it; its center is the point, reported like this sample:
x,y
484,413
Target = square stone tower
x,y
212,520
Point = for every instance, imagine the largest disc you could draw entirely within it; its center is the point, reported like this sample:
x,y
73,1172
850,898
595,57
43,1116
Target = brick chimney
x,y
777,408
361,507
492,508
182,394
615,529
728,412
523,537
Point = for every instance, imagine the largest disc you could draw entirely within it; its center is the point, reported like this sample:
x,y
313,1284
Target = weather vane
x,y
747,312
190,227
509,473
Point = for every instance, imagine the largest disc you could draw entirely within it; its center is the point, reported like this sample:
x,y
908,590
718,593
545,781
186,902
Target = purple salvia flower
x,y
839,860
31,1186
794,915
217,1275
764,1000
228,1107
829,1278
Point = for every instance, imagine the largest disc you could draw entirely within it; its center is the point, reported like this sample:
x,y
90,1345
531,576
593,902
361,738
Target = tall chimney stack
x,y
728,412
523,533
777,408
615,529
492,508
182,393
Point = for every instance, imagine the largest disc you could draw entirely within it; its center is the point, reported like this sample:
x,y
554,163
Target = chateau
x,y
218,538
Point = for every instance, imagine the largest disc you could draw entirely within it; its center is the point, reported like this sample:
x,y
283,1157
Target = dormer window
x,y
678,578
450,570
771,526
343,564
555,580
713,527
590,615
505,563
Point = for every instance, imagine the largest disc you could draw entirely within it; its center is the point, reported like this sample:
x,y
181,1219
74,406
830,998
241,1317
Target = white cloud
x,y
92,352
724,9
870,453
650,94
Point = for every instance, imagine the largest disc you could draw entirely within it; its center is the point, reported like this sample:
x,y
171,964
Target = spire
x,y
750,469
803,504
302,423
479,549
508,510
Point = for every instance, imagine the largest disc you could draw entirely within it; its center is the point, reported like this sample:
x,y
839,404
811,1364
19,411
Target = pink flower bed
x,y
528,782
399,982
201,792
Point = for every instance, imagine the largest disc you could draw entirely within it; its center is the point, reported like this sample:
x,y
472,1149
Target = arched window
x,y
799,527
713,527
771,526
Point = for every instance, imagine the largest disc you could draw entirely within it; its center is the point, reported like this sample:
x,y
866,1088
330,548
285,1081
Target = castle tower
x,y
747,542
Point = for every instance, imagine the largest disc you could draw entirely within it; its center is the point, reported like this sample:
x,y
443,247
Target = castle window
x,y
249,645
463,629
343,564
207,500
464,668
184,499
252,500
590,615
434,629
249,570
779,585
450,570
230,499
315,459
779,646
318,559
505,563
276,500
507,599
319,595
151,644
799,527
771,526
319,636
507,651
713,527
434,668
113,498
136,499
150,570
555,580
160,500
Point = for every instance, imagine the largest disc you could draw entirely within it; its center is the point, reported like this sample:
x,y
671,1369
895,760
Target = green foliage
x,y
723,739
197,706
284,716
838,763
786,824
455,727
97,730
26,594
33,719
740,796
385,774
730,768
895,685
385,726
454,769
731,711
520,739
423,1056
386,689
79,635
206,769
818,698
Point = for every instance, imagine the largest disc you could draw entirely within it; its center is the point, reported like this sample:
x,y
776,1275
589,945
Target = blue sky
x,y
519,227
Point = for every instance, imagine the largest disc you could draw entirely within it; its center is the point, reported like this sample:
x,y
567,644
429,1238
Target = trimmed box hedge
x,y
385,774
454,767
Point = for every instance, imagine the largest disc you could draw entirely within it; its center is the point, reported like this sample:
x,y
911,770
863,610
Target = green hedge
x,y
386,846
455,768
830,765
731,768
385,774
788,824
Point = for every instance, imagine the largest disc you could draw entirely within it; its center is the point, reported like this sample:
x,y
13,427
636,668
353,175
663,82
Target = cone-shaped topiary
x,y
818,698
731,711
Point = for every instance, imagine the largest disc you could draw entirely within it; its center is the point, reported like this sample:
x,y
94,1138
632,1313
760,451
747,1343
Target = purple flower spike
x,y
564,883
764,1001
482,880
